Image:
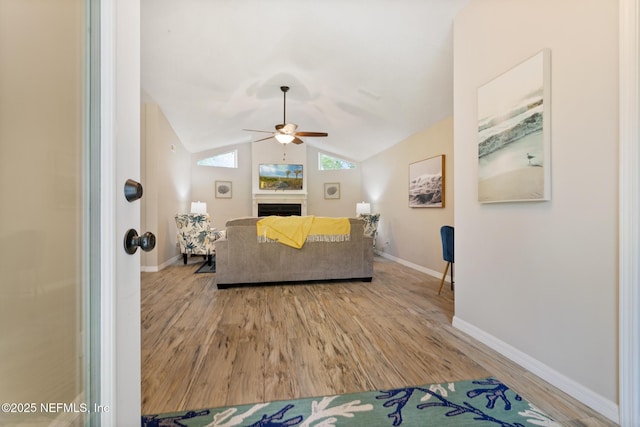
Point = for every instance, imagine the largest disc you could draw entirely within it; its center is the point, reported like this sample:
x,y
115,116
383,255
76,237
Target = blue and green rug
x,y
485,402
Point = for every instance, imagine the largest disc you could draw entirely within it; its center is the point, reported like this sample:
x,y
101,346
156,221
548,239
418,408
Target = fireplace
x,y
279,209
279,204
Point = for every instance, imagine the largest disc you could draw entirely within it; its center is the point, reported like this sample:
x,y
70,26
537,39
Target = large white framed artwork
x,y
514,133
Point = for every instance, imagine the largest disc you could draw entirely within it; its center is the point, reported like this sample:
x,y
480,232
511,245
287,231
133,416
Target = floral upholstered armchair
x,y
370,225
195,235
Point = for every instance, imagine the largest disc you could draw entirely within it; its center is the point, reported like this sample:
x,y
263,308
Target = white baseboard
x,y
436,274
156,268
587,396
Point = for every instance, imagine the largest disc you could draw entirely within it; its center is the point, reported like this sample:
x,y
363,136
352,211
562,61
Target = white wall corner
x,y
589,397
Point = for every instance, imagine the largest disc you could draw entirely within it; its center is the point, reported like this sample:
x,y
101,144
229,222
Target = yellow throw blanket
x,y
295,230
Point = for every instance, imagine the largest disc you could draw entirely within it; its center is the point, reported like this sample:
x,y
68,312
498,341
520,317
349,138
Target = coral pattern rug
x,y
485,402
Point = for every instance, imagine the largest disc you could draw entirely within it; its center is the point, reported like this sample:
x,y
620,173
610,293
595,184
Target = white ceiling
x,y
368,72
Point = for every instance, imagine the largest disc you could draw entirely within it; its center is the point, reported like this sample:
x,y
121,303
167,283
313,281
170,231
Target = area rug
x,y
486,402
206,268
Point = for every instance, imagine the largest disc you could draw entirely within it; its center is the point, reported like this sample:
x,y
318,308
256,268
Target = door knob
x,y
132,241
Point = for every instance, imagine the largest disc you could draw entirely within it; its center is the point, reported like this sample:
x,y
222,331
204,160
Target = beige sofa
x,y
241,259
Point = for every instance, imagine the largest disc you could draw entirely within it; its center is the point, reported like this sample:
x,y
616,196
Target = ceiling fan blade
x,y
263,139
297,141
311,134
255,130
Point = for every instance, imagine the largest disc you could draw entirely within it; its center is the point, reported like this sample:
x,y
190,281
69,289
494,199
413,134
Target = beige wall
x,y
350,188
412,235
539,280
203,180
166,179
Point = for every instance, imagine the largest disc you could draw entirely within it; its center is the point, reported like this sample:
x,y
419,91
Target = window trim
x,y
339,159
213,158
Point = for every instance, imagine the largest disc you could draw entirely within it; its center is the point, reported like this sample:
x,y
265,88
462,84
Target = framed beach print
x,y
280,176
426,183
223,189
331,190
514,132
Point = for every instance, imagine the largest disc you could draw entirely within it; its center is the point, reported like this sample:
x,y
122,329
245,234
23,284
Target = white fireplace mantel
x,y
280,197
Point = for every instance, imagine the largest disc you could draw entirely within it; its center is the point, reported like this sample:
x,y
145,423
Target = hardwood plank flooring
x,y
203,347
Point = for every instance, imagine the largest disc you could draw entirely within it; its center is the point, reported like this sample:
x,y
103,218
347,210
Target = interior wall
x,y
410,235
350,188
540,279
203,180
166,180
244,181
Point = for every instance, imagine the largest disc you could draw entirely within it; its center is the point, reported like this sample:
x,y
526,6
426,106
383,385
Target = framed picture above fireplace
x,y
278,176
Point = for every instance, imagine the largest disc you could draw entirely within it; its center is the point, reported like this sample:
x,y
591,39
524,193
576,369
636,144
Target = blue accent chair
x,y
446,233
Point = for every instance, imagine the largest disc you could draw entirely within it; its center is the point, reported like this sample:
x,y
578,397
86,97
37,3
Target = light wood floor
x,y
203,347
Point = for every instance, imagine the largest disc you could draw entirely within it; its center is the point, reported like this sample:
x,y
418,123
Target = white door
x,y
120,161
69,293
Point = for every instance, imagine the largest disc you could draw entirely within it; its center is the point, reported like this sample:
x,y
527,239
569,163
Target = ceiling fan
x,y
287,132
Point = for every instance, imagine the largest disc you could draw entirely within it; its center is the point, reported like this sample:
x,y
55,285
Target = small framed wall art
x,y
331,190
426,183
223,189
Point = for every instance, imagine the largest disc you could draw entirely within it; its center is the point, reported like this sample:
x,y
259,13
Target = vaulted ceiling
x,y
368,72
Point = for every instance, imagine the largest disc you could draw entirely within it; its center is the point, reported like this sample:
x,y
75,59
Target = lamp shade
x,y
199,207
363,208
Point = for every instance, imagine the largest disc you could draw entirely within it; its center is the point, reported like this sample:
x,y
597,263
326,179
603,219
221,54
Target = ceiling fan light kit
x,y
284,138
286,132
